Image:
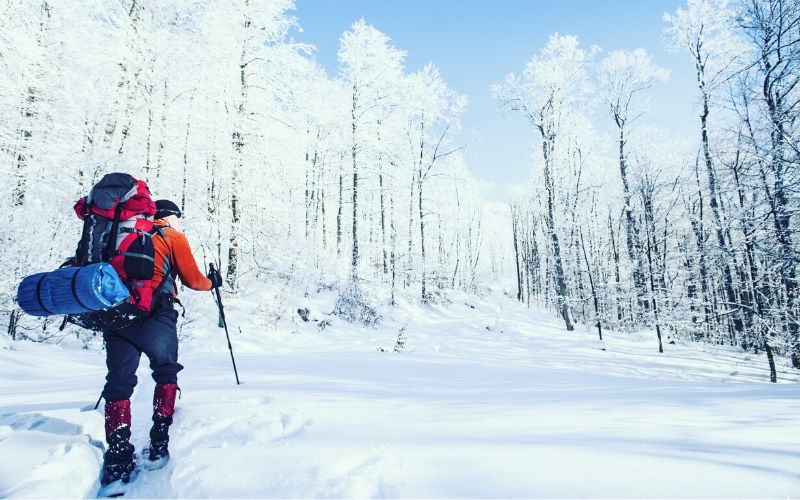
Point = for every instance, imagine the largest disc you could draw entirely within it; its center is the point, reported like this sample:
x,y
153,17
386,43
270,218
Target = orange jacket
x,y
174,258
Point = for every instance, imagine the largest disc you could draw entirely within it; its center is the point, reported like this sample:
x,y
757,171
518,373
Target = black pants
x,y
157,337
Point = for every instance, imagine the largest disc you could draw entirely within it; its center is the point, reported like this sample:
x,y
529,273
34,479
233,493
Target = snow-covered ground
x,y
485,399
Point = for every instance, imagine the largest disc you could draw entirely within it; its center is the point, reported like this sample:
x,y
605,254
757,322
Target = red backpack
x,y
118,228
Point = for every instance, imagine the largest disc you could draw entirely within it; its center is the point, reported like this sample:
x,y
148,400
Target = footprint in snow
x,y
41,423
245,429
289,426
358,477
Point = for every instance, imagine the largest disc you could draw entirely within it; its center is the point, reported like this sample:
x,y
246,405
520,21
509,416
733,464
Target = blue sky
x,y
475,43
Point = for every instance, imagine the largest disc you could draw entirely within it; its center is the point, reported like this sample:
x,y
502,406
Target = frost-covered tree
x,y
623,78
553,86
705,29
432,116
371,66
276,164
773,29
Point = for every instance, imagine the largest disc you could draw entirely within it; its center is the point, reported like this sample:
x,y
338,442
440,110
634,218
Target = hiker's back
x,y
173,258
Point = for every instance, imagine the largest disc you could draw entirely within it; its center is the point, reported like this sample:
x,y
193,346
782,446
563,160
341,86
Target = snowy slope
x,y
486,399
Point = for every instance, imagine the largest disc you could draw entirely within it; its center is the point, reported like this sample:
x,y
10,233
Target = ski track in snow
x,y
487,399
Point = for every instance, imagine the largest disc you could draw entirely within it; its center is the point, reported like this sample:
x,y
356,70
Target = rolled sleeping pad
x,y
72,290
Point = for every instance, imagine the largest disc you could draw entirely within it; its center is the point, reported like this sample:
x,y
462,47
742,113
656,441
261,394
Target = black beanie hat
x,y
165,208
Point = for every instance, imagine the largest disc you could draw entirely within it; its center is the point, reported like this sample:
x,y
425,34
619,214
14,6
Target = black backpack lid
x,y
112,188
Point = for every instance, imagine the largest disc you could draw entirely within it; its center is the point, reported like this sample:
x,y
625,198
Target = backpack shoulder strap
x,y
159,230
81,253
111,245
173,271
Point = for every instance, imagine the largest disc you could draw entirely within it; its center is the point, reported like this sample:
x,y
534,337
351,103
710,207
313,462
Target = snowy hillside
x,y
484,398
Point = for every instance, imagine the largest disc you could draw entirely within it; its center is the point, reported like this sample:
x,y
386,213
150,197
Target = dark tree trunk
x,y
307,192
382,196
354,255
186,155
653,292
410,257
778,32
631,227
617,276
149,141
594,293
558,268
713,201
238,165
24,136
393,254
515,230
339,212
421,214
698,227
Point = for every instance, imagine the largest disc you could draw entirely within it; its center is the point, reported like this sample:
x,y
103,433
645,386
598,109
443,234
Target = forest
x,y
358,180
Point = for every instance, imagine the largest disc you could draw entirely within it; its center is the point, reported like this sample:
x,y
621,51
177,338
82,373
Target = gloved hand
x,y
215,277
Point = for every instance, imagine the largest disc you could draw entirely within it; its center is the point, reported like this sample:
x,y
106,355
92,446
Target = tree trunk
x,y
233,249
410,257
339,213
558,268
698,227
653,291
134,15
594,293
420,180
148,143
515,230
631,228
163,136
186,155
393,237
617,275
238,165
354,255
24,137
13,319
321,201
29,113
422,237
781,207
382,203
307,193
713,201
130,103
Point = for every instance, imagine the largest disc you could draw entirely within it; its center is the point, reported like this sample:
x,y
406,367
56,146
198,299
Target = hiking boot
x,y
114,472
159,438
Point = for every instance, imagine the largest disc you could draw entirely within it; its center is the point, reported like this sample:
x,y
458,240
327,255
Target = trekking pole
x,y
224,324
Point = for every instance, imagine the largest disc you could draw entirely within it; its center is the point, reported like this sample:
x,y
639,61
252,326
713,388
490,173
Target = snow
x,y
485,399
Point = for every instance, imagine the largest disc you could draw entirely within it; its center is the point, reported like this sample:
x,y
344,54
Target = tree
x,y
252,50
624,76
773,28
704,30
370,65
553,85
433,114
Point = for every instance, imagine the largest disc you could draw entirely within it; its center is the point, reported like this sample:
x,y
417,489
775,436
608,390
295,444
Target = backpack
x,y
118,229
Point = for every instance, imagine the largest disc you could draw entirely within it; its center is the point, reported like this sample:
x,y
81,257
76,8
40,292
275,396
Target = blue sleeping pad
x,y
72,290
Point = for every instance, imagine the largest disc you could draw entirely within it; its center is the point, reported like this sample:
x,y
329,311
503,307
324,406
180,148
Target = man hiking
x,y
155,335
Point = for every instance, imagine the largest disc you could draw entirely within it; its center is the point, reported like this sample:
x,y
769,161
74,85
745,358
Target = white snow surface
x,y
486,399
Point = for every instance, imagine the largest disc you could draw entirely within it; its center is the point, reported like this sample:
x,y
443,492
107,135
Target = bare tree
x,y
624,76
551,87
